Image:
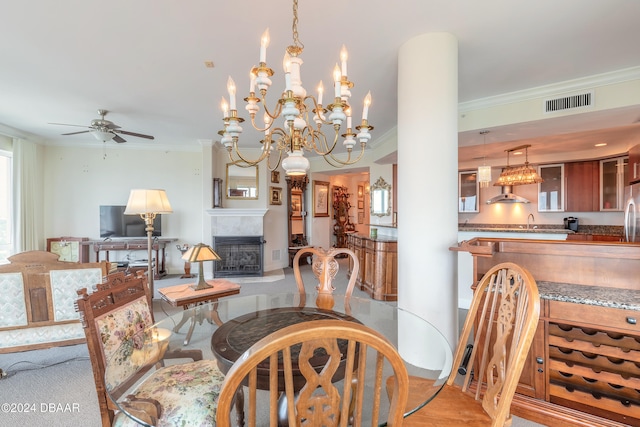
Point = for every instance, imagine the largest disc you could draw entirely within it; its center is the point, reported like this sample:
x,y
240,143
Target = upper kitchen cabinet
x,y
551,190
634,164
613,178
468,192
582,186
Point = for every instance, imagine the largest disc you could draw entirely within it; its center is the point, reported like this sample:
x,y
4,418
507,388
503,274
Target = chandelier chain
x,y
296,39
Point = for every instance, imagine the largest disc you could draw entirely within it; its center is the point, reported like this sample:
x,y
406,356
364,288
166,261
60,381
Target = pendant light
x,y
484,171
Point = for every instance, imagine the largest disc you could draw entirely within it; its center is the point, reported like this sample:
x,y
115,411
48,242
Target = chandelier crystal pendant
x,y
519,175
484,171
304,115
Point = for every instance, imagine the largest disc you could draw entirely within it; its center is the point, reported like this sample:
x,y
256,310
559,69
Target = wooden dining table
x,y
242,320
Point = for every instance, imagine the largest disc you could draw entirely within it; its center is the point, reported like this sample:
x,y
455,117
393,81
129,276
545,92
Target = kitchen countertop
x,y
590,295
515,229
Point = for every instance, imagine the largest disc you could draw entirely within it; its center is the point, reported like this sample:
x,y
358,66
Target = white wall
x,y
78,180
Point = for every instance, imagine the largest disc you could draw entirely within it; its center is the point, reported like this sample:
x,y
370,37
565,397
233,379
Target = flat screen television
x,y
114,223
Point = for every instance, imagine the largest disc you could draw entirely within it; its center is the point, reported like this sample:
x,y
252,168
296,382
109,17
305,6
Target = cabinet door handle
x,y
539,360
631,320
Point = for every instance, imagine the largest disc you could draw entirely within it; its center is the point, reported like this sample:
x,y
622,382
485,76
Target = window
x,y
6,205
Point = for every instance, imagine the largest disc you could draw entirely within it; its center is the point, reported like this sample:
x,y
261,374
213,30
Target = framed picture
x,y
276,195
360,191
320,198
275,177
296,204
360,204
360,217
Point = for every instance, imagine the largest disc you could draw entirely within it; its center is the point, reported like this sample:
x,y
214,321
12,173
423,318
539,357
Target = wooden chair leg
x,y
239,404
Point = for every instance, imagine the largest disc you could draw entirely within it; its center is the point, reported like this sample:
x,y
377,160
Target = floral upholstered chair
x,y
116,319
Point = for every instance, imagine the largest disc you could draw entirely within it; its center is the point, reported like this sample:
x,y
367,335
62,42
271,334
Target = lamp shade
x,y
199,253
148,201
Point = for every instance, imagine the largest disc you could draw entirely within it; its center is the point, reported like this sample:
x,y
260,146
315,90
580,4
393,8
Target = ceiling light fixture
x,y
102,134
518,175
298,132
484,171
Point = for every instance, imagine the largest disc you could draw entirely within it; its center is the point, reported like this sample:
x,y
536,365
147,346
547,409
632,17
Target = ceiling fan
x,y
104,130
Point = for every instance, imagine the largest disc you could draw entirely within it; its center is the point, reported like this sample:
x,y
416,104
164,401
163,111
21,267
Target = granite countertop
x,y
613,230
515,229
590,295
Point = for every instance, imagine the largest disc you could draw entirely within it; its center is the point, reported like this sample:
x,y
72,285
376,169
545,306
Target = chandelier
x,y
304,115
518,175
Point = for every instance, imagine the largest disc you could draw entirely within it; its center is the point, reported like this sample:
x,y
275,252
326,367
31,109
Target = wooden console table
x,y
157,245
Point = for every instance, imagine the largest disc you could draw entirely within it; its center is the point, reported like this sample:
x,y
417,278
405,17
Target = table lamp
x,y
148,204
200,253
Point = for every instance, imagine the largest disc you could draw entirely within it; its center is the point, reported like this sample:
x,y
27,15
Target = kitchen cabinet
x,y
594,237
593,352
613,178
582,368
582,185
468,192
551,190
634,164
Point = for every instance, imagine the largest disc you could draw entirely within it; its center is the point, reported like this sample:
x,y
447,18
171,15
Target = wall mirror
x,y
381,198
242,183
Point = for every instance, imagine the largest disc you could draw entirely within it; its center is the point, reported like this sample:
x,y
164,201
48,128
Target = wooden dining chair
x,y
503,318
325,268
117,312
320,402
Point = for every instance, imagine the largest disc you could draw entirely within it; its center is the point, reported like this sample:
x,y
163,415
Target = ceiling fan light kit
x,y
104,130
302,127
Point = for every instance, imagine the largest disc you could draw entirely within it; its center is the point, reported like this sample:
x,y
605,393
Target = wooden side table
x,y
184,296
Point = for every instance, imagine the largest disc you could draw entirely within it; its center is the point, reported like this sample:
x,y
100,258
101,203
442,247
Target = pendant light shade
x,y
484,171
519,175
484,175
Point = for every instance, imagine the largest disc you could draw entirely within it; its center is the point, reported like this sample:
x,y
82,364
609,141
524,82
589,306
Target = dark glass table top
x,y
235,323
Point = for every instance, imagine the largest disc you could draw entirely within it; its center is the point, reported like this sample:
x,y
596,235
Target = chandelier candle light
x,y
298,132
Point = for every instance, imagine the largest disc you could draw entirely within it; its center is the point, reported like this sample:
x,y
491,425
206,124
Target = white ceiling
x,y
143,60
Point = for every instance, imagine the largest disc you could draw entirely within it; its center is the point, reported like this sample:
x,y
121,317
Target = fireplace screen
x,y
240,256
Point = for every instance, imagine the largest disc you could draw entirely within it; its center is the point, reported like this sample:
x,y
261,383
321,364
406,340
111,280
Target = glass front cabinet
x,y
613,176
468,191
551,190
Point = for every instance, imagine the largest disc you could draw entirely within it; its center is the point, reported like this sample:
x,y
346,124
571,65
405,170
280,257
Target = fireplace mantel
x,y
236,212
237,222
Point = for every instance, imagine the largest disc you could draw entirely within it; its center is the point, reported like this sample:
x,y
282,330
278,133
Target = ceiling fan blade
x,y
67,124
75,133
139,135
118,138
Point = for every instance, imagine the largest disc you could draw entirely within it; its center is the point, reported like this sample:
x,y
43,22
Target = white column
x,y
427,179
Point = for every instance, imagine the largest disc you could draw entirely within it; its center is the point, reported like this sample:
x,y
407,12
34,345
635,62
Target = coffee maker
x,y
571,223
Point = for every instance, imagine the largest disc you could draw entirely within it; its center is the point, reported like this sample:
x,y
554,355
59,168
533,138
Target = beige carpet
x,y
55,388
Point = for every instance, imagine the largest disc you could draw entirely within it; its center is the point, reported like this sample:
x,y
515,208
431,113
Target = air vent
x,y
568,102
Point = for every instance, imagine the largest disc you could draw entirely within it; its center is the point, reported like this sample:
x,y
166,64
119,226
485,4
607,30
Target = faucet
x,y
532,218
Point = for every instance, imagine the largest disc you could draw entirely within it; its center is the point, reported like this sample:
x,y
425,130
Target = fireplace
x,y
240,256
